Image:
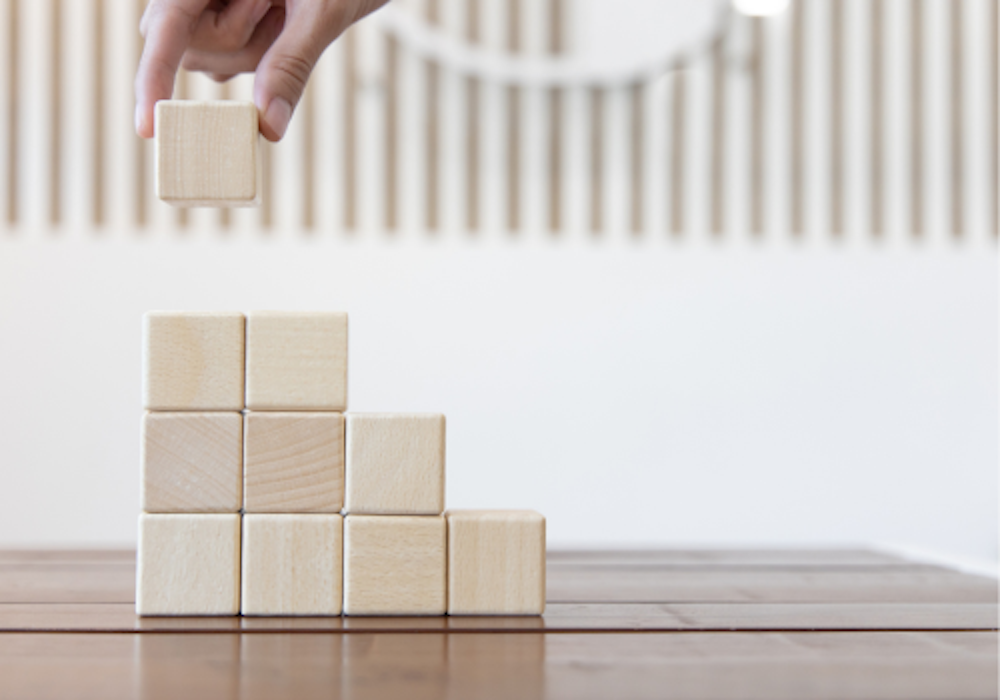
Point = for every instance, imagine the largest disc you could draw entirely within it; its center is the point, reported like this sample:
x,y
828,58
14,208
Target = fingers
x,y
285,68
245,59
167,26
230,28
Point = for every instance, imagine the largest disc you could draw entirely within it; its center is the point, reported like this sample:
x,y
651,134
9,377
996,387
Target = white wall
x,y
653,392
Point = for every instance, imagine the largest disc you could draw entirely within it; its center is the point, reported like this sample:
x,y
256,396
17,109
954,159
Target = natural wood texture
x,y
207,153
647,585
394,565
395,463
559,617
778,665
188,565
732,649
192,462
294,462
292,564
296,361
193,361
496,562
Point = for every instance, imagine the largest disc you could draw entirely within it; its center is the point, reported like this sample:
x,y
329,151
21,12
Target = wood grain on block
x,y
296,361
192,462
496,562
294,462
188,565
207,153
394,565
395,463
292,564
193,361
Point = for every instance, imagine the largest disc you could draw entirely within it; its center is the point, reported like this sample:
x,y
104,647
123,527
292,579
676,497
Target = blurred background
x,y
676,272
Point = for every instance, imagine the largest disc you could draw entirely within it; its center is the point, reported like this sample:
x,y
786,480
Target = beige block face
x,y
294,462
296,361
395,463
207,153
292,564
192,462
394,565
496,562
193,361
188,565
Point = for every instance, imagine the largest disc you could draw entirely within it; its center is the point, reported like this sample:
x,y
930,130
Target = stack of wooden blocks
x,y
262,496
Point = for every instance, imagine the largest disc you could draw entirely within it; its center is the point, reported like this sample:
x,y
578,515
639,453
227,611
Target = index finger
x,y
167,25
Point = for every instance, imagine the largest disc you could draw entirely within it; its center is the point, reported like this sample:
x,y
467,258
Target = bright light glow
x,y
760,8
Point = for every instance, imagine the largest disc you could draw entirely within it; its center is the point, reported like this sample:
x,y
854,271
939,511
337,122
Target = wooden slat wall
x,y
839,118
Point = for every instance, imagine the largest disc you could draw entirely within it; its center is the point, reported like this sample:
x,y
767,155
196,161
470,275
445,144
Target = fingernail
x,y
277,116
138,120
262,7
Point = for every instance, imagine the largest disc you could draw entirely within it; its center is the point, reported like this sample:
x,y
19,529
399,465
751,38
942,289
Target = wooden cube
x,y
192,462
207,153
294,462
496,562
394,565
292,564
395,463
188,565
296,361
193,361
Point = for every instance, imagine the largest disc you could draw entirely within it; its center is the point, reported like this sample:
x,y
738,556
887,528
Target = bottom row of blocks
x,y
461,563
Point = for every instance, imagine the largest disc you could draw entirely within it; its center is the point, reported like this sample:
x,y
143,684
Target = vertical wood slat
x,y
758,98
391,135
637,136
100,86
718,111
942,197
513,108
797,118
534,173
916,194
837,138
596,96
556,100
956,125
55,113
432,130
472,131
993,99
13,214
453,122
876,39
350,111
678,144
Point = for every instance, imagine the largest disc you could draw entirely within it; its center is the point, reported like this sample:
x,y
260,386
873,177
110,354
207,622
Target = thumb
x,y
284,70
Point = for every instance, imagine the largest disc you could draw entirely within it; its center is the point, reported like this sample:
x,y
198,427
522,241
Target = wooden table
x,y
620,624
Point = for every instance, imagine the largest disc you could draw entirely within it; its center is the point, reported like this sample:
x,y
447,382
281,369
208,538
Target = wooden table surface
x,y
619,624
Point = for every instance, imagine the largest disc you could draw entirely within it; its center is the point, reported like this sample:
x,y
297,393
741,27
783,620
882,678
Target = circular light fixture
x,y
605,42
761,8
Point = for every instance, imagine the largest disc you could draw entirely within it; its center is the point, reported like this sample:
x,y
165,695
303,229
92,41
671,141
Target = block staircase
x,y
262,496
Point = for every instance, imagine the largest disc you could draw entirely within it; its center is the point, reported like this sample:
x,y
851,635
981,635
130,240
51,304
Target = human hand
x,y
279,39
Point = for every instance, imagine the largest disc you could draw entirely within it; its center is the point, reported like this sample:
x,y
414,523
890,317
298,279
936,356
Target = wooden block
x,y
294,462
496,562
296,361
192,462
395,463
188,565
292,564
193,361
207,153
394,565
